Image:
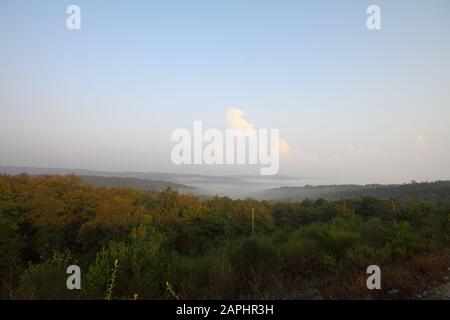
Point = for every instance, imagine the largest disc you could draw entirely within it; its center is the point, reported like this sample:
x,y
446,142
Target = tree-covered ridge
x,y
207,248
136,183
437,192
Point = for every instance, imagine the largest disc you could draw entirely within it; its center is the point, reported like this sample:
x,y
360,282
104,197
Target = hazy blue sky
x,y
354,105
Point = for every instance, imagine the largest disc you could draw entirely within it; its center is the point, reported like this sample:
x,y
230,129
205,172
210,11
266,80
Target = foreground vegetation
x,y
134,244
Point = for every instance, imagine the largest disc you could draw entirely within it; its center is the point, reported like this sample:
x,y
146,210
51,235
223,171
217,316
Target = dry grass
x,y
403,279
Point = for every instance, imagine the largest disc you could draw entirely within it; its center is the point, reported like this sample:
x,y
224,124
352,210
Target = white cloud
x,y
421,140
284,147
236,120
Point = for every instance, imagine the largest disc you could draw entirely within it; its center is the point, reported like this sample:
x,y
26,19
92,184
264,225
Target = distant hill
x,y
162,176
241,186
235,186
438,191
107,179
135,183
301,193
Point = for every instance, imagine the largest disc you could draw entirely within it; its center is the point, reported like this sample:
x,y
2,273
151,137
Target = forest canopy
x,y
163,245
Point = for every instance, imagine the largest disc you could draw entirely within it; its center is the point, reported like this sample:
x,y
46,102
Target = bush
x,y
46,280
400,238
142,267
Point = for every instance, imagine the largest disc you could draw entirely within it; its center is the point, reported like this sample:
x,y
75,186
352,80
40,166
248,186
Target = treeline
x,y
134,244
136,183
437,192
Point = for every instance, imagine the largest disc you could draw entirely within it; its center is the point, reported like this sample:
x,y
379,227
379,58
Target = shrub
x,y
46,280
400,238
143,265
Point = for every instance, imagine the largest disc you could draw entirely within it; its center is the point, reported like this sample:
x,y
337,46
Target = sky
x,y
352,105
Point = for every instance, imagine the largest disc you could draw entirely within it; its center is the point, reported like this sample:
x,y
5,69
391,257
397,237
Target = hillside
x,y
109,179
138,184
438,191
